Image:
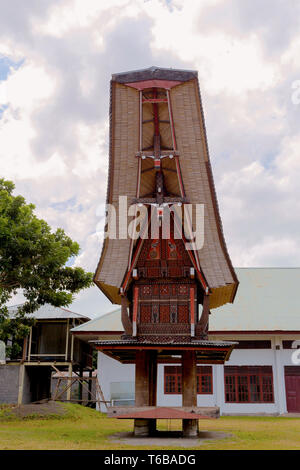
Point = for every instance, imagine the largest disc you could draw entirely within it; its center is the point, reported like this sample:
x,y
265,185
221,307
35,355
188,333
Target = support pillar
x,y
21,384
70,371
145,389
90,388
80,386
189,391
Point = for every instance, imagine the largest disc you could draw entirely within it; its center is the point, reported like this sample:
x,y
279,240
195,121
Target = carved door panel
x,y
145,313
164,314
183,313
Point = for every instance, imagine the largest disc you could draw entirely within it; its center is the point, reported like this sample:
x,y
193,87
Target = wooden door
x,y
292,386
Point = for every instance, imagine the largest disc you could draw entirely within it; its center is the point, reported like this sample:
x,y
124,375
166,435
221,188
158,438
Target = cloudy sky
x,y
56,60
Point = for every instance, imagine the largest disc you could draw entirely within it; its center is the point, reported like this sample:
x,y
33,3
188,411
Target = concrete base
x,y
144,427
165,439
190,427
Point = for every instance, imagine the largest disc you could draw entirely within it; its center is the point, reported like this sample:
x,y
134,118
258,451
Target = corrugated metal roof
x,y
110,321
48,311
268,299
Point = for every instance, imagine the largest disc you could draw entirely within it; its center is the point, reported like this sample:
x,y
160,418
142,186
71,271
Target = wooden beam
x,y
135,310
203,323
21,384
67,340
30,341
72,343
70,383
192,305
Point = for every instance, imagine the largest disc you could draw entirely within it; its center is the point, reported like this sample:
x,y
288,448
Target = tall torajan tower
x,y
166,281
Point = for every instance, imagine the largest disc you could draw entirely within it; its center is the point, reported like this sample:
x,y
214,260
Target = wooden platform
x,y
162,412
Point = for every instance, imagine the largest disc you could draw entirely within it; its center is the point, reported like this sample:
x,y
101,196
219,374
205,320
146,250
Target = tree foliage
x,y
33,259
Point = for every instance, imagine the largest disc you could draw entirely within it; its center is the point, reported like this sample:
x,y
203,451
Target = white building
x,y
262,375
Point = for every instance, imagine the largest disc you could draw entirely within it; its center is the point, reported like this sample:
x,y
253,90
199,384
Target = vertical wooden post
x,y
203,322
80,385
141,379
152,387
189,391
135,310
141,122
30,341
90,387
145,389
192,309
70,371
72,342
67,341
21,383
152,377
24,352
126,322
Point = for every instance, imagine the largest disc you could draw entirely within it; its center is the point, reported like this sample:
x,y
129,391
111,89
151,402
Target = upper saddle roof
x,y
154,73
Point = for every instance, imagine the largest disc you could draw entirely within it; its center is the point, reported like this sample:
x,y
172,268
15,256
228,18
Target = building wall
x,y
110,370
9,383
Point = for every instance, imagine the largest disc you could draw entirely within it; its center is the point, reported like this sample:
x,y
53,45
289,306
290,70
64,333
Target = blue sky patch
x,y
68,204
70,261
6,64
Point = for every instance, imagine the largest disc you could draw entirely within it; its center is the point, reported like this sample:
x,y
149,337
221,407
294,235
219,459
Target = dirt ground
x,y
38,409
167,438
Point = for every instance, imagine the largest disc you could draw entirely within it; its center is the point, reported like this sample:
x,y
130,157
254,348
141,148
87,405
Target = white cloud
x,y
93,149
29,87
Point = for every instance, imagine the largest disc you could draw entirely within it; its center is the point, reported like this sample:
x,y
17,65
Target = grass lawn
x,y
83,428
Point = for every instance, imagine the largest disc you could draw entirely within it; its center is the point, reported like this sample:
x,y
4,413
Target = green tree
x,y
32,259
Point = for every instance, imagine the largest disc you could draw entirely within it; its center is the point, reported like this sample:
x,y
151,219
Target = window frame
x,y
243,383
204,380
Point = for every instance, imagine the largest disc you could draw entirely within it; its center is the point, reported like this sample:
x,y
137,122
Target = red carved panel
x,y
183,290
166,329
153,272
183,314
164,290
155,290
172,250
145,291
175,271
163,249
154,251
155,313
164,313
145,313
